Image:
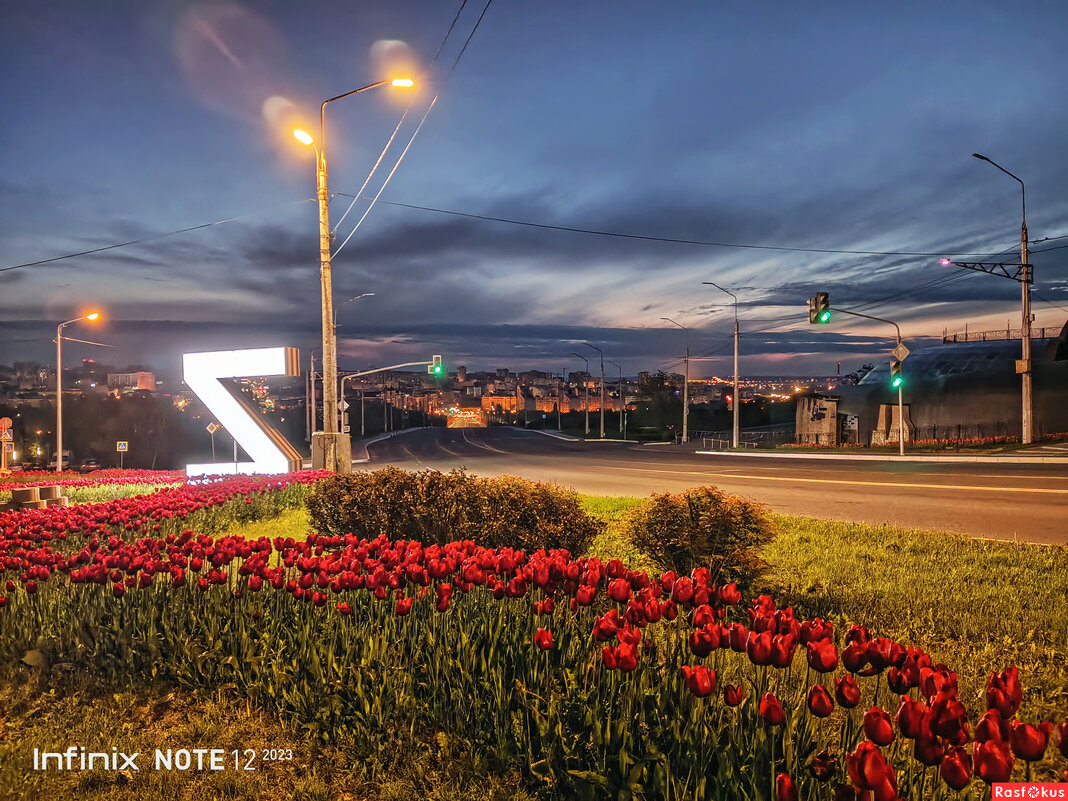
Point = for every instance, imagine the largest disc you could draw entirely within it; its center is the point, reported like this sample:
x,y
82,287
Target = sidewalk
x,y
1042,454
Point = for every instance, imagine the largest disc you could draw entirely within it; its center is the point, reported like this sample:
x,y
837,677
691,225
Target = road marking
x,y
483,445
1036,490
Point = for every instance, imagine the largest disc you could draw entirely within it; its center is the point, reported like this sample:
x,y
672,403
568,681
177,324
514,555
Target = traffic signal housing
x,y
436,367
819,308
896,379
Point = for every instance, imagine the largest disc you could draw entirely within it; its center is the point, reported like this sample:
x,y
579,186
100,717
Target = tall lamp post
x,y
620,368
325,451
737,400
685,384
1024,368
59,384
587,383
588,345
341,398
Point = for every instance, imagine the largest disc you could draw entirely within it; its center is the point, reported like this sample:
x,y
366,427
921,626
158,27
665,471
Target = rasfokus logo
x,y
1030,790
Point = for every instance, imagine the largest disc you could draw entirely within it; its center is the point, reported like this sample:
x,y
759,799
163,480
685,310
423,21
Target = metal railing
x,y
999,335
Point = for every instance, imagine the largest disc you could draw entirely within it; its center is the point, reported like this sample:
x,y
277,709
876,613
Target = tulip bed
x,y
596,679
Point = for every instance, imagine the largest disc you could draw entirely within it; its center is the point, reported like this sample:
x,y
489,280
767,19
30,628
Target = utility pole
x,y
686,385
588,345
586,381
620,367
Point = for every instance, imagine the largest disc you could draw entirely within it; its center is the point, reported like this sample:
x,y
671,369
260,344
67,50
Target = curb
x,y
863,457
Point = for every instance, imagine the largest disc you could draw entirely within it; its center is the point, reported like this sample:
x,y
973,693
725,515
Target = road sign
x,y
342,406
122,447
5,423
6,435
900,352
213,427
9,447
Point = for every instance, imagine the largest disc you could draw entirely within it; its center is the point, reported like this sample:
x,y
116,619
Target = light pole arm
x,y
869,317
322,109
1023,189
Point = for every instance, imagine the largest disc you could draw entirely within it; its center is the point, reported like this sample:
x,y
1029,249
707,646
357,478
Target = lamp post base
x,y
324,444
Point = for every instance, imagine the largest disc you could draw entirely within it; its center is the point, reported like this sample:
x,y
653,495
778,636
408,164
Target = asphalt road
x,y
1025,502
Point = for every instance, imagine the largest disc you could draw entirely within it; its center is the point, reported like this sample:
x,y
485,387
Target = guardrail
x,y
1001,334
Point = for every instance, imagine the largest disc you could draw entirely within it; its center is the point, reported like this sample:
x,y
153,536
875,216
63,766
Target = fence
x,y
763,437
1000,334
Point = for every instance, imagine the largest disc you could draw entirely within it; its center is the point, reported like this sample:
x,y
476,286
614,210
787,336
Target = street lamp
x,y
1024,368
737,404
685,384
326,454
588,345
620,368
587,383
92,317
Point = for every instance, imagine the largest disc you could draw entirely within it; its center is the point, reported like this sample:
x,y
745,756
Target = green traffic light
x,y
825,316
896,382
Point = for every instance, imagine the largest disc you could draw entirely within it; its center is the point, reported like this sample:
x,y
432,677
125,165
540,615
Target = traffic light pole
x,y
346,377
900,403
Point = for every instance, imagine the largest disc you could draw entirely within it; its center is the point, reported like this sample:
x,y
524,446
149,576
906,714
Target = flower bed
x,y
599,679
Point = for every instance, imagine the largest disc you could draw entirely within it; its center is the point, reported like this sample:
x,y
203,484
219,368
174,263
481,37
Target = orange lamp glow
x,y
403,82
93,316
303,136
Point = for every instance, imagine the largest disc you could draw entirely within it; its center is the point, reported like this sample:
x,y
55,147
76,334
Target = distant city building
x,y
130,382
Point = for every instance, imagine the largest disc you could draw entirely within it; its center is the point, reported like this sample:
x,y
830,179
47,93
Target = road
x,y
1025,502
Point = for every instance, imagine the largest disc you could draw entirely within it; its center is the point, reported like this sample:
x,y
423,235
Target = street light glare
x,y
93,316
946,262
403,82
303,136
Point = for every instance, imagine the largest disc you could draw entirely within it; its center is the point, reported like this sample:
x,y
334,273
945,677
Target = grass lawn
x,y
979,606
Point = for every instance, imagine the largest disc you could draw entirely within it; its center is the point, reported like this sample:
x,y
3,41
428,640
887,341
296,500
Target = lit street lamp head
x,y
92,316
403,82
303,136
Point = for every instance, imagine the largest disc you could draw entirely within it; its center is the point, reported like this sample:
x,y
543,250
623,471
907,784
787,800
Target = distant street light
x,y
587,383
737,403
92,317
1024,368
588,345
686,384
620,368
330,438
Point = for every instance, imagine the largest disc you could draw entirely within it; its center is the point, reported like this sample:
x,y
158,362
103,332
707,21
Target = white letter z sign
x,y
270,452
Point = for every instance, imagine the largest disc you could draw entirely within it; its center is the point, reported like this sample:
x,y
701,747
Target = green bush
x,y
431,506
702,527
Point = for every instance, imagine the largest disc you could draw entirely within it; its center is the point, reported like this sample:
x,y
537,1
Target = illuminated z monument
x,y
269,450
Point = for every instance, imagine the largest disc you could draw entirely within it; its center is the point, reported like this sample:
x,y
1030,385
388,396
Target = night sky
x,y
800,127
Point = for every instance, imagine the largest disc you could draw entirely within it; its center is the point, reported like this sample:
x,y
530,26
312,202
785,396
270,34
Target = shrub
x,y
702,527
431,506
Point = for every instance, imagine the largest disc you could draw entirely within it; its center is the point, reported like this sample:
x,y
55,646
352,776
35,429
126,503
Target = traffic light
x,y
436,368
819,308
895,374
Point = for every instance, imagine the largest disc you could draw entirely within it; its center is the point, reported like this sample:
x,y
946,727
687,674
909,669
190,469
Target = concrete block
x,y
49,492
25,494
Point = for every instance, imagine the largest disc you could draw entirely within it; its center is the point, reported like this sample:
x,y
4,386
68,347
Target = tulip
x,y
992,726
782,650
771,710
855,657
949,718
847,692
993,761
822,655
403,607
956,768
732,695
869,771
819,701
823,766
1004,693
910,719
739,637
784,788
928,751
877,726
1029,742
758,646
344,608
444,592
619,590
699,680
704,641
544,639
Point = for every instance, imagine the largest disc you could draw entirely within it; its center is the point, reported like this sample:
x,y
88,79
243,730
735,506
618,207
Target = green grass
x,y
101,492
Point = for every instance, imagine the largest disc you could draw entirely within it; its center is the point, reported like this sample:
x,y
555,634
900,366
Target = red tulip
x,y
771,710
544,639
730,595
956,768
758,646
855,657
1004,693
344,608
928,751
732,696
847,692
993,761
784,788
910,719
992,726
619,590
739,637
819,701
444,592
877,726
403,607
949,718
869,771
1029,742
699,680
822,656
704,641
782,650
823,766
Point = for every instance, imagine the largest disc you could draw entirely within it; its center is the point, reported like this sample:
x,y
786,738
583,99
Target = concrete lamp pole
x,y
686,385
620,368
588,345
587,383
1027,434
59,384
737,400
329,447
